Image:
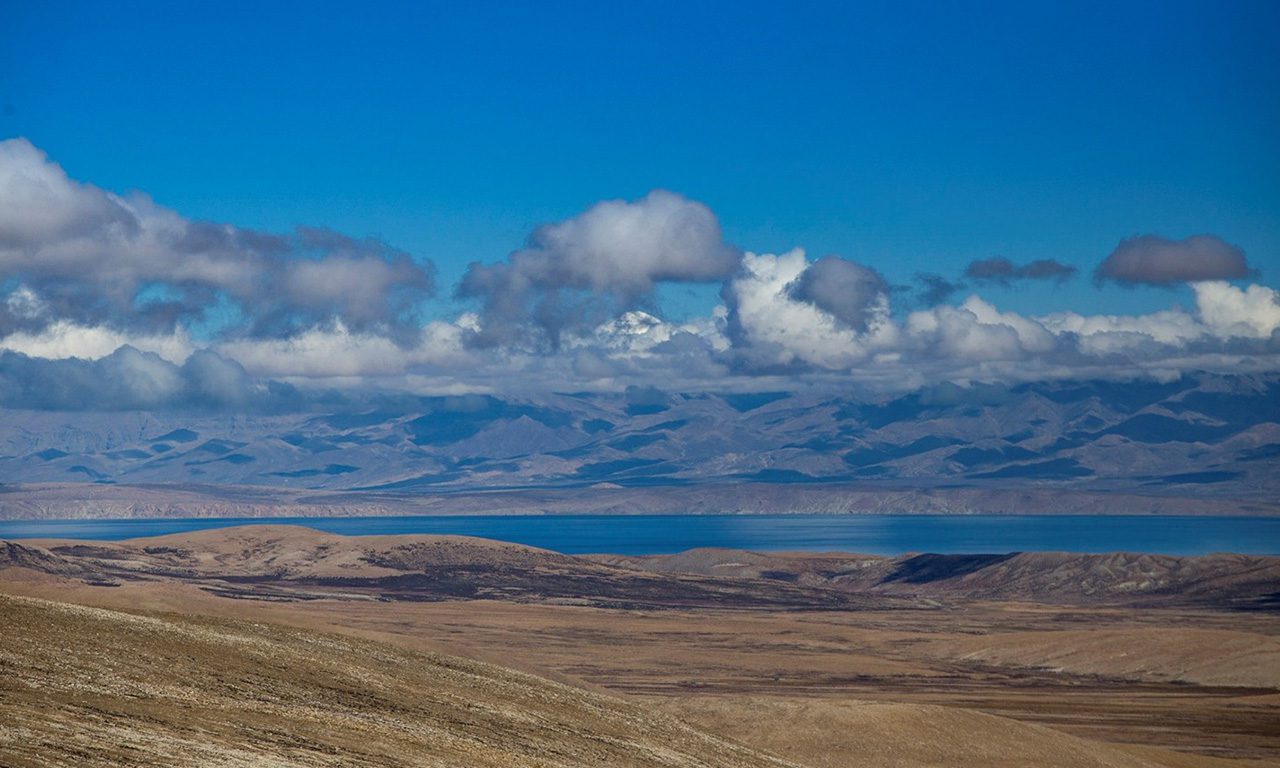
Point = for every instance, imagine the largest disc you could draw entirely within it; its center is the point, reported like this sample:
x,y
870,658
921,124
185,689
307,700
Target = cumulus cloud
x,y
1004,272
70,251
771,328
1113,334
843,289
338,352
111,302
1229,311
1155,260
580,271
975,332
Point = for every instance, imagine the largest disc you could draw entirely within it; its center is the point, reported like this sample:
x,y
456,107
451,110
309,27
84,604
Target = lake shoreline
x,y
107,501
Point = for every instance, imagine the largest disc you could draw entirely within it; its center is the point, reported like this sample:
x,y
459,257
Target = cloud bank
x,y
129,379
109,301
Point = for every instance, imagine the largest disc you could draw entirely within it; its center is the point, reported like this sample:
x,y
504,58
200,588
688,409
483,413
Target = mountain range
x,y
1212,438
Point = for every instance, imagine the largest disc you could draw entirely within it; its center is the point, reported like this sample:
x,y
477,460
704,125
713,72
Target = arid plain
x,y
316,649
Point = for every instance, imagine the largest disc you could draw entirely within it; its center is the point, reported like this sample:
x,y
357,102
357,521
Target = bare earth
x,y
88,686
276,645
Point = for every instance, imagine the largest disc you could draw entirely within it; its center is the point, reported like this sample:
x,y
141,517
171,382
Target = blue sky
x,y
909,137
459,198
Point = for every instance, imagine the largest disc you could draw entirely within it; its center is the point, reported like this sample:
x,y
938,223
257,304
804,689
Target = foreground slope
x,y
92,687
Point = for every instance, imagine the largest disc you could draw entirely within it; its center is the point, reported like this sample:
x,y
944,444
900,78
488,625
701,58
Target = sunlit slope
x,y
90,687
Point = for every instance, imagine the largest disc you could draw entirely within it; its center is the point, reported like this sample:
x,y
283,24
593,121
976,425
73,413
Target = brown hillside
x,y
89,687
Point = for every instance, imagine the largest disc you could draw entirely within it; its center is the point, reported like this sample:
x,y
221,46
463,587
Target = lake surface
x,y
662,534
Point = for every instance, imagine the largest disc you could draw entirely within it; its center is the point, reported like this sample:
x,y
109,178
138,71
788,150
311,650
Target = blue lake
x,y
660,534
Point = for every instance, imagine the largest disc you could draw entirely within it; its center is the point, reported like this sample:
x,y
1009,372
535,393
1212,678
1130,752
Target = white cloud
x,y
336,351
1172,326
976,340
605,260
780,330
91,276
62,340
90,256
960,333
38,203
1230,311
976,331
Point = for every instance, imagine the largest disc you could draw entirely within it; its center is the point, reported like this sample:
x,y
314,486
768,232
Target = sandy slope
x,y
93,687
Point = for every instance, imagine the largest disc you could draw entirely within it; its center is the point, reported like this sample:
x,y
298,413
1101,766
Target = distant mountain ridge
x,y
1208,436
